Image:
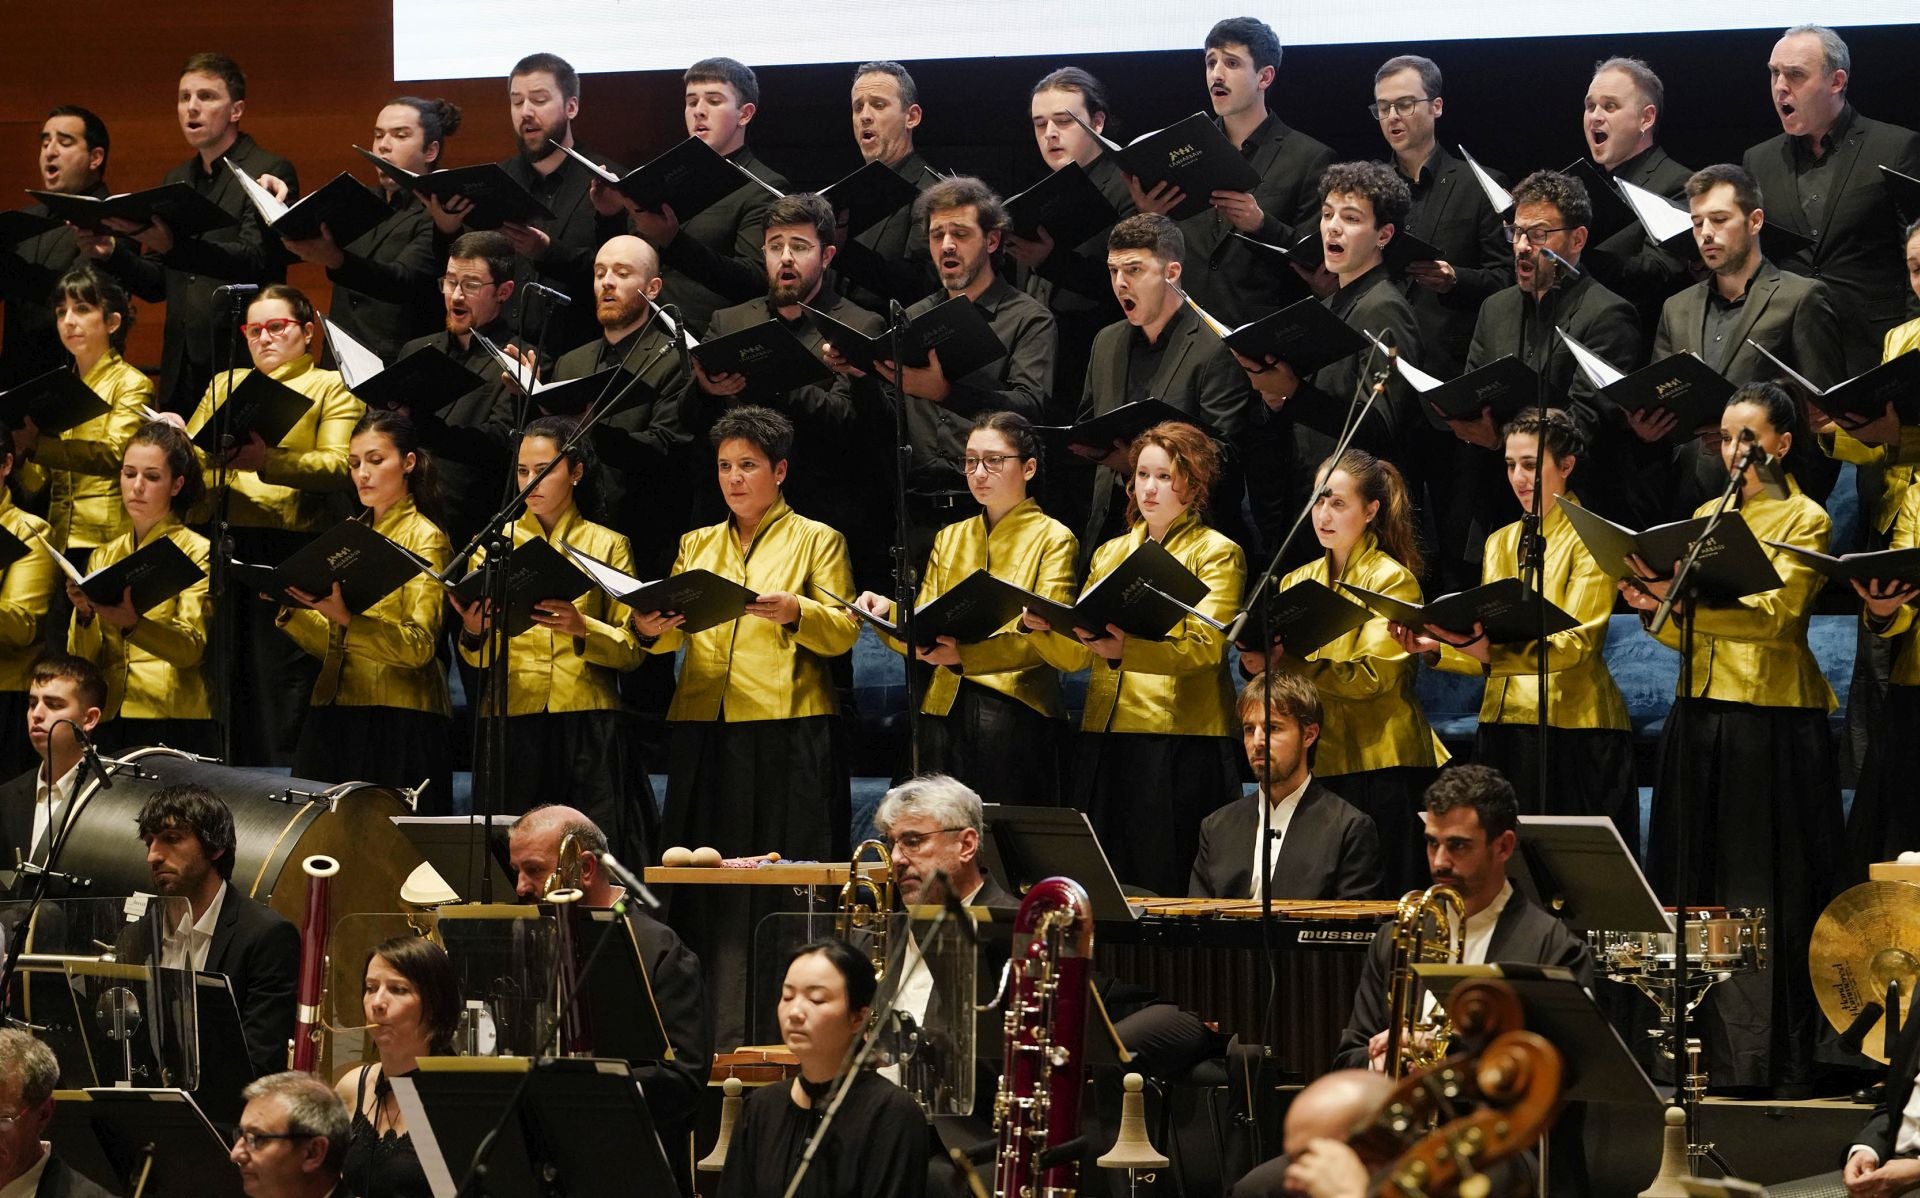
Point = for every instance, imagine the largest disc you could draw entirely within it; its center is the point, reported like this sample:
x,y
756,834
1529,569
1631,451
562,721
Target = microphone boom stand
x,y
906,584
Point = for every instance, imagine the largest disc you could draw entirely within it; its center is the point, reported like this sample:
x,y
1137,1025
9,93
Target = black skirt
x,y
1394,797
1885,820
1589,772
1003,749
1146,794
1755,787
754,787
588,760
387,746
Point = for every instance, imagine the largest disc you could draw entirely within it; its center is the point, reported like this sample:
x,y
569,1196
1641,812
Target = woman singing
x,y
1376,750
755,764
565,731
877,1145
1589,745
1156,754
994,706
151,659
1746,760
380,711
411,1000
278,497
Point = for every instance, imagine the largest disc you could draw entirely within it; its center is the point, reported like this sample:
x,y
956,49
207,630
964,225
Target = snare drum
x,y
1719,941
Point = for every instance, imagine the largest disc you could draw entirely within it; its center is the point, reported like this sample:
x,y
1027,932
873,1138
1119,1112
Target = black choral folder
x,y
706,599
536,572
571,397
1068,204
186,211
343,204
56,400
259,404
690,178
868,196
1305,334
1506,609
1307,615
1121,424
1146,596
974,609
16,225
1901,565
157,571
367,565
1506,385
1730,566
768,354
496,198
1192,154
1865,396
955,327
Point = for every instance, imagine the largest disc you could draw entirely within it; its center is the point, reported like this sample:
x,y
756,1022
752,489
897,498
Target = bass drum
x,y
278,822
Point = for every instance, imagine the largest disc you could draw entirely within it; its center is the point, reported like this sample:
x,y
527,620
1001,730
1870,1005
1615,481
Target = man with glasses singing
x,y
291,1139
1547,227
468,439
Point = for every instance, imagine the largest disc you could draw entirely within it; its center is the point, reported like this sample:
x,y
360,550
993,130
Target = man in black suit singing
x,y
1822,175
190,844
1621,121
73,161
1319,845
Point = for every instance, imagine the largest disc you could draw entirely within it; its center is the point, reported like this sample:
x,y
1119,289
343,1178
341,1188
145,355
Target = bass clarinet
x,y
1037,1109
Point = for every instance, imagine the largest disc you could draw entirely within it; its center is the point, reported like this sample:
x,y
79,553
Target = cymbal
x,y
1867,937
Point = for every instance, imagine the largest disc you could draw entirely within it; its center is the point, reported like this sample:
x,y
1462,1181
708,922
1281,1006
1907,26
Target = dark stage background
x,y
317,75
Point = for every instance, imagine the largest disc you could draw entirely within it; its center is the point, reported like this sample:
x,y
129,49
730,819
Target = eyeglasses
x,y
912,841
992,463
255,1140
1404,106
277,327
1535,234
7,1121
450,284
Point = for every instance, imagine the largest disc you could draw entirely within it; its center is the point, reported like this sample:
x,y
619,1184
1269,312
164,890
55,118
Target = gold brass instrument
x,y
866,901
566,868
1430,928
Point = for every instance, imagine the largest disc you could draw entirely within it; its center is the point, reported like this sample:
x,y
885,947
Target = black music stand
x,y
1025,844
224,1070
449,845
120,1124
1598,1066
1579,868
582,1119
619,997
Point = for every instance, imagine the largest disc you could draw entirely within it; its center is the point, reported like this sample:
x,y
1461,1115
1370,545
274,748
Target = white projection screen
x,y
461,39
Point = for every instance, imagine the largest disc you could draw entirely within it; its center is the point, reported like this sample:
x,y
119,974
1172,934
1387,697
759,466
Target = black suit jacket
x,y
31,344
718,259
58,1180
1230,278
1857,241
1331,851
574,236
1195,373
1631,266
259,952
1526,932
1451,213
17,797
1883,1126
387,290
187,276
673,1088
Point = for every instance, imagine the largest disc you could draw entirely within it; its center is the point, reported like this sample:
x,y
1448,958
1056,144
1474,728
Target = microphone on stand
x,y
1565,267
629,879
236,290
552,295
679,325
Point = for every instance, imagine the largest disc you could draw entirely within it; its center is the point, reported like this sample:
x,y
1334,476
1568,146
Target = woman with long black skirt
x,y
1156,754
1589,742
755,763
993,715
380,711
1746,761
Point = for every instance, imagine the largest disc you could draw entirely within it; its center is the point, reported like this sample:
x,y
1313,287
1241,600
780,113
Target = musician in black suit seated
x,y
1230,278
64,691
28,1167
877,1145
383,280
1159,349
1885,1156
1321,846
189,272
672,1088
1621,120
190,844
1821,173
712,258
